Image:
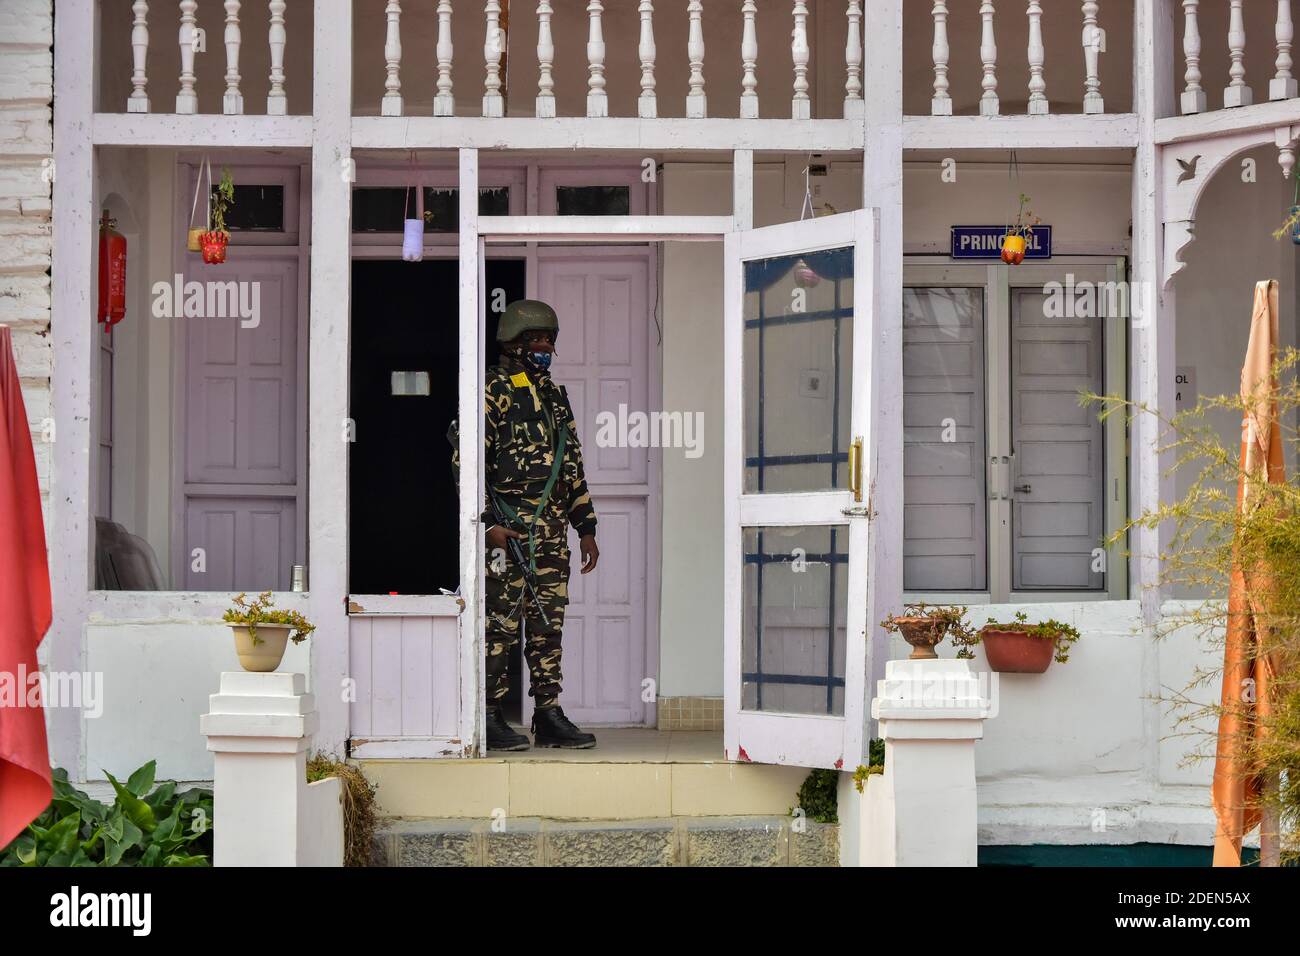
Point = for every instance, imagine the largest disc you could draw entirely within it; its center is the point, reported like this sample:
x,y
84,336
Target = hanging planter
x,y
214,240
194,237
1016,241
413,228
213,246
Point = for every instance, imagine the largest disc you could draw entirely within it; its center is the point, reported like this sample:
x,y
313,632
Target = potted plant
x,y
1016,240
924,626
214,241
262,631
1018,647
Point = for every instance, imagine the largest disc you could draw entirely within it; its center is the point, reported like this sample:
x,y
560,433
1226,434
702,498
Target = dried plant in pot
x,y
213,243
1018,647
262,631
1016,241
924,627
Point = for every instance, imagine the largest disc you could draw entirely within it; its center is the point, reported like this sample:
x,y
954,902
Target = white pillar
x,y
493,48
989,59
1283,85
1193,98
922,811
1094,40
259,727
187,100
597,98
1038,102
941,102
545,58
391,104
277,102
232,101
801,105
749,60
138,101
696,101
647,107
1237,93
854,107
444,102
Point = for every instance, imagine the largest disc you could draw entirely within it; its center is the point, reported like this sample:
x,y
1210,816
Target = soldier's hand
x,y
497,536
590,553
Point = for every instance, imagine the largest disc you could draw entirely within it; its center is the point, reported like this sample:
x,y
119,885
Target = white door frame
x,y
772,737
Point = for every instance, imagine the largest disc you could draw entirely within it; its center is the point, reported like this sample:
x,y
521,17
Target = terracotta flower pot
x,y
1013,250
214,246
923,634
264,655
1015,652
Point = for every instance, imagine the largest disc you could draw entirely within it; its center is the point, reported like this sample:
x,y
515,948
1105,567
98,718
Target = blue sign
x,y
985,242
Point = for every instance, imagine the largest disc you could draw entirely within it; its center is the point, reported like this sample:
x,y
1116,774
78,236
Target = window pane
x,y
798,313
381,208
944,508
1058,470
795,599
385,208
256,209
593,200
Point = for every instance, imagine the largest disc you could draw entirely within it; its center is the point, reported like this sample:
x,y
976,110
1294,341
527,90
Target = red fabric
x,y
24,612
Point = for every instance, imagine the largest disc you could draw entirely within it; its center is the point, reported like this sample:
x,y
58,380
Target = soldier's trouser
x,y
507,601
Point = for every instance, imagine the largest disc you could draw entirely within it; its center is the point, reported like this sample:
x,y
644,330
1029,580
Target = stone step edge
x,y
540,841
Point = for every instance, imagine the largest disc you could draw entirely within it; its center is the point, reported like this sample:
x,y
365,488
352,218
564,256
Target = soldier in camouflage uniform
x,y
533,465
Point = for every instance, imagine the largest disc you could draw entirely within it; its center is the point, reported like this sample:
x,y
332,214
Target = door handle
x,y
855,469
1024,489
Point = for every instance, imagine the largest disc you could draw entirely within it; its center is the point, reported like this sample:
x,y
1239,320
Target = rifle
x,y
517,553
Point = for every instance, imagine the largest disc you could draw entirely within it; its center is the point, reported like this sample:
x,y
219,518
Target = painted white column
x,y
989,59
1193,99
1038,103
1237,93
749,60
493,47
138,101
941,102
277,103
597,99
647,107
1094,43
853,105
444,102
391,104
800,105
332,175
922,811
187,100
1283,85
696,101
259,728
545,58
232,101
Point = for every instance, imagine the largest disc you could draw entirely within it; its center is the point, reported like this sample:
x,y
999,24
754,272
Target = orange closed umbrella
x,y
24,613
1249,674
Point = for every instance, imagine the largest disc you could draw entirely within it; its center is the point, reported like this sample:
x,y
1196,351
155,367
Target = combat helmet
x,y
524,314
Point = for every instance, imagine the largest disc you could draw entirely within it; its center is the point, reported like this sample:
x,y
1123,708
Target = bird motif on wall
x,y
1189,168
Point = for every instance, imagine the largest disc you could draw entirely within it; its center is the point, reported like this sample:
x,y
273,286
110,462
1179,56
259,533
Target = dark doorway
x,y
403,501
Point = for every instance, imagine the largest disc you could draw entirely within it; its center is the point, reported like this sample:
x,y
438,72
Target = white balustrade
x,y
989,58
391,104
696,102
1237,93
444,102
545,59
749,60
854,105
1283,85
597,100
138,101
277,104
647,106
1193,98
187,100
232,101
800,105
1038,103
941,102
493,47
1094,44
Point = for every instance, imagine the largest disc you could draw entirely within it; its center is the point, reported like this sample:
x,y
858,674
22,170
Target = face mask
x,y
541,360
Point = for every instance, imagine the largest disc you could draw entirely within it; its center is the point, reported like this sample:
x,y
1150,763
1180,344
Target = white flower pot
x,y
266,653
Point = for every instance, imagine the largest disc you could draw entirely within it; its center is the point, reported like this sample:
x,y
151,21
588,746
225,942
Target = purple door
x,y
242,488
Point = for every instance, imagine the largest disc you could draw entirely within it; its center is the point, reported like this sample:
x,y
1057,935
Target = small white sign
x,y
1185,395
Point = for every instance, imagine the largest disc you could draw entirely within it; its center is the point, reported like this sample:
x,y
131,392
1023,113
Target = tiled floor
x,y
633,745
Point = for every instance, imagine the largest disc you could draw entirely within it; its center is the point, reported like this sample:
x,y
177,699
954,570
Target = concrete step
x,y
632,774
669,841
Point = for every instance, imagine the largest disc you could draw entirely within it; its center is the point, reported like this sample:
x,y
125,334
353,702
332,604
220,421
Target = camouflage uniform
x,y
523,413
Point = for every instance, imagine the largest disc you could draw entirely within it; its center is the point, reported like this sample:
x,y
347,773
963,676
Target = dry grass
x,y
358,805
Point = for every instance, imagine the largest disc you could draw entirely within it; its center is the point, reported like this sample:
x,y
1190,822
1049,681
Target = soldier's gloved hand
x,y
497,536
590,553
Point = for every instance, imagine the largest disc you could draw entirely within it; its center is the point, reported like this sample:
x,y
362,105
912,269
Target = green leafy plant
x,y
1064,635
147,825
223,198
263,611
358,805
875,764
948,619
817,796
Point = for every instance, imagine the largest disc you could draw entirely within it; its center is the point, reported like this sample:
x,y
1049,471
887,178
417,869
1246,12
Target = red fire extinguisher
x,y
112,273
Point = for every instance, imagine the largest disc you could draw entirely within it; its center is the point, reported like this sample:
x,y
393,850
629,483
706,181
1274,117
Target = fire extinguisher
x,y
112,273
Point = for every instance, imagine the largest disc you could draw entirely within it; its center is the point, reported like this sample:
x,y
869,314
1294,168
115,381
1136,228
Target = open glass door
x,y
799,454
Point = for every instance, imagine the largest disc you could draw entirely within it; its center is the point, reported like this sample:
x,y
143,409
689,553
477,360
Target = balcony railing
x,y
1238,91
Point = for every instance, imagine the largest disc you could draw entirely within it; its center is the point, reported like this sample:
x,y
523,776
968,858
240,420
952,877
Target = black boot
x,y
500,735
552,729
